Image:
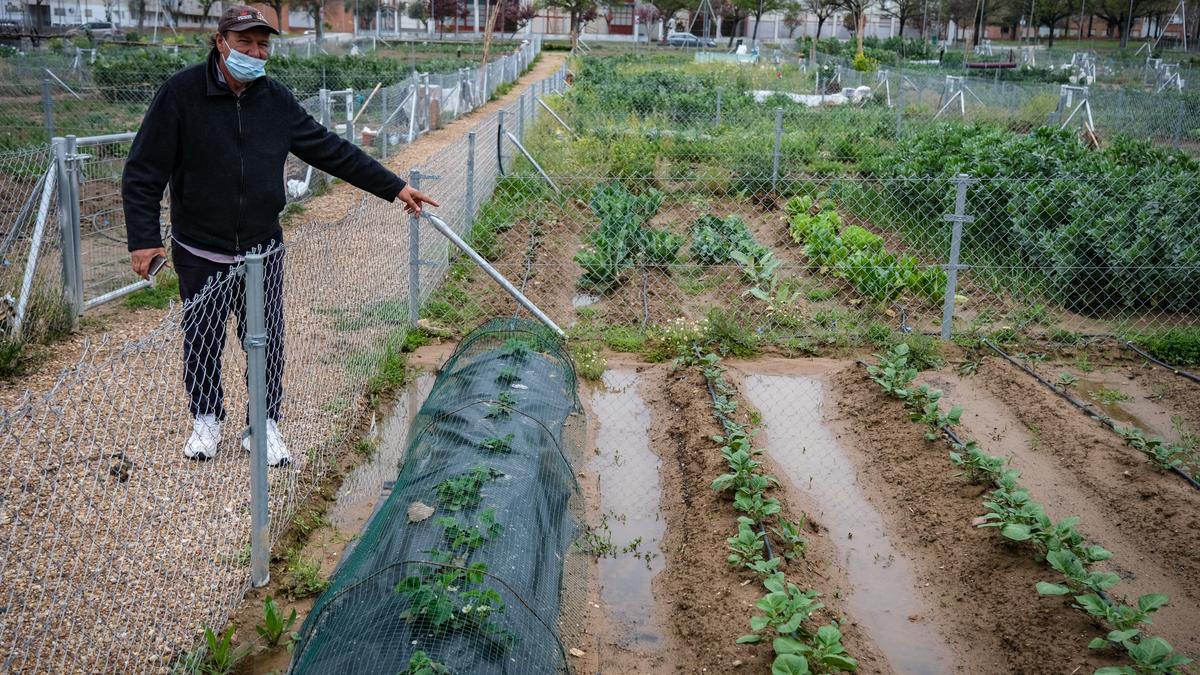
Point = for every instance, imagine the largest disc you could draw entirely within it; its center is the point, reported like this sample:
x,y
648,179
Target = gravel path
x,y
113,551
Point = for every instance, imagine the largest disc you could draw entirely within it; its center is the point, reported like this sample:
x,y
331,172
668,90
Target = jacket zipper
x,y
241,180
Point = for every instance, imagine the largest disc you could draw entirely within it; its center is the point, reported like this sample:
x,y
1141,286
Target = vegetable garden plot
x,y
463,565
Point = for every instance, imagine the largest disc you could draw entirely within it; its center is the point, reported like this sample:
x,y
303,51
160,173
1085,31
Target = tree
x,y
364,11
315,9
858,11
733,13
1050,12
138,9
823,10
762,7
581,13
205,8
903,11
1117,14
417,11
793,16
961,12
668,9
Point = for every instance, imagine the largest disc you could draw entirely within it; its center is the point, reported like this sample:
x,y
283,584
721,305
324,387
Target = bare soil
x,y
981,584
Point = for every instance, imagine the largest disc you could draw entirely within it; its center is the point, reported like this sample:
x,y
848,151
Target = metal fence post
x,y
68,224
414,257
350,115
778,148
255,343
1178,134
470,178
899,107
718,106
521,117
500,141
381,134
961,181
323,98
47,107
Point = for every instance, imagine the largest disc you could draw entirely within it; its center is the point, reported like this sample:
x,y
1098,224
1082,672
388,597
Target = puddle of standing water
x,y
882,596
629,503
1097,393
364,488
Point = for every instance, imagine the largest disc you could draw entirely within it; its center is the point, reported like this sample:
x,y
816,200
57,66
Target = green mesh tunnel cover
x,y
476,586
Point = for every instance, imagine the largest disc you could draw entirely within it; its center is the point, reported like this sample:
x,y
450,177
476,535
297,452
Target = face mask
x,y
244,68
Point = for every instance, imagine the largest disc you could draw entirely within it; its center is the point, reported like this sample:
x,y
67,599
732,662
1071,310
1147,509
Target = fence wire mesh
x,y
679,206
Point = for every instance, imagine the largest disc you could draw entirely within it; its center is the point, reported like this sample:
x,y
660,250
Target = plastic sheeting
x,y
476,586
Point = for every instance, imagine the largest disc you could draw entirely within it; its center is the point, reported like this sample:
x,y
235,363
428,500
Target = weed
x,y
624,339
218,655
820,294
879,335
727,334
1177,346
1065,337
1188,439
1028,316
464,490
303,576
365,447
158,296
1083,363
788,533
1109,396
589,364
1067,380
309,520
274,626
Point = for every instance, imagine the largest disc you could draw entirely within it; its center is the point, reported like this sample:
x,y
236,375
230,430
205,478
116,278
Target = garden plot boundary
x,y
116,552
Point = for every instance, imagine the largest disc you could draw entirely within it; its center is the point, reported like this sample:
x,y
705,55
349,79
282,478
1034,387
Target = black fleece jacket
x,y
223,156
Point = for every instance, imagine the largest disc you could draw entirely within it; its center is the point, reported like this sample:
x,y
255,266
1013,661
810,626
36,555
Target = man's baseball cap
x,y
240,17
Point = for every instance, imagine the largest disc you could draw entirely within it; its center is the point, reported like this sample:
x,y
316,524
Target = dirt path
x,y
106,529
115,325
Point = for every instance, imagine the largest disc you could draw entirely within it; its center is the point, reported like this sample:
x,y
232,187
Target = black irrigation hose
x,y
1178,371
721,418
1085,407
956,440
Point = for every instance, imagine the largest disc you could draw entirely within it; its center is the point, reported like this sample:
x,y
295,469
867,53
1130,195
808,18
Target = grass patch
x,y
589,364
303,576
624,339
1109,396
365,447
1177,346
159,296
820,294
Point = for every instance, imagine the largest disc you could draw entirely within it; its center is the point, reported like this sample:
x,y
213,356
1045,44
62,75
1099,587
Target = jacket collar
x,y
216,87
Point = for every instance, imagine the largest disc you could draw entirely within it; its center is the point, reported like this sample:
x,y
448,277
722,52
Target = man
x,y
219,133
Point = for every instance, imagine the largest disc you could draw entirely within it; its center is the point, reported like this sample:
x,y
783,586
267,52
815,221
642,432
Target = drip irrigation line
x,y
724,422
400,563
1178,371
957,440
1085,407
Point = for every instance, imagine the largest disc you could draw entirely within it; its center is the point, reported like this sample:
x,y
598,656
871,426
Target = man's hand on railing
x,y
142,257
413,199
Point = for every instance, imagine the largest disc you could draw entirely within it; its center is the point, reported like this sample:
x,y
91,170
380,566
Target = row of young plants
x,y
859,256
1018,518
623,239
787,615
451,594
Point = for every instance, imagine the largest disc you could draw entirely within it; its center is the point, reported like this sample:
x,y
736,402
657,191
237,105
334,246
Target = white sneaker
x,y
277,452
206,437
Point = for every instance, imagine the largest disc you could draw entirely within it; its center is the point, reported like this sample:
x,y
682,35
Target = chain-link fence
x,y
376,117
116,552
660,204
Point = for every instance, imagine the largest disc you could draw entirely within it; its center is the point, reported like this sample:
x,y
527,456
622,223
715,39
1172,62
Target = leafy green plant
x,y
1160,453
420,663
463,538
497,444
274,626
715,240
221,656
464,491
508,375
503,407
747,547
1109,396
788,533
454,598
623,238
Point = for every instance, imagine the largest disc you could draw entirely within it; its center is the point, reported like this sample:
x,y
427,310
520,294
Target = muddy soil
x,y
710,603
1158,511
981,585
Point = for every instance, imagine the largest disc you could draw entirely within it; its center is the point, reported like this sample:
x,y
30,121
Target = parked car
x,y
688,40
97,29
